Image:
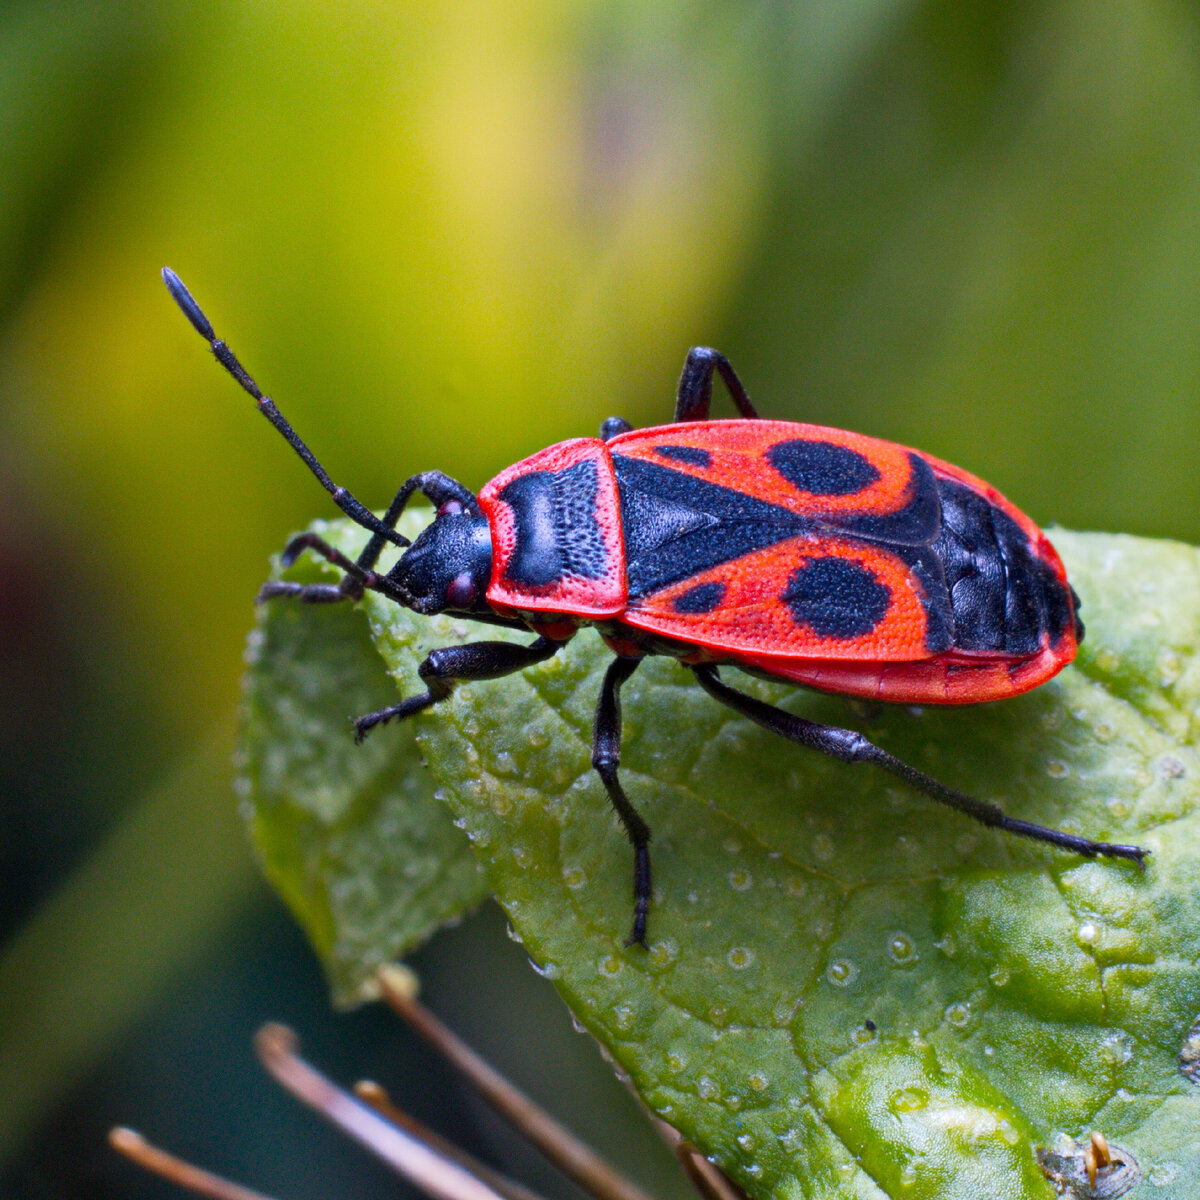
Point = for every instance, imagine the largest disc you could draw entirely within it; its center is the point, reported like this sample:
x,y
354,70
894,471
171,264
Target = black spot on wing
x,y
702,598
692,455
677,526
557,531
836,598
822,468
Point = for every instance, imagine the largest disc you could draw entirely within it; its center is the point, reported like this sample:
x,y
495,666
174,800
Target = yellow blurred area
x,y
446,235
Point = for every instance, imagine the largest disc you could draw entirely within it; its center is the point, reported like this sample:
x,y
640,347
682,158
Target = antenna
x,y
352,507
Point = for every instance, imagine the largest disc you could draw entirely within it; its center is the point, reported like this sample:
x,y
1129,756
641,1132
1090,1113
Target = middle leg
x,y
606,758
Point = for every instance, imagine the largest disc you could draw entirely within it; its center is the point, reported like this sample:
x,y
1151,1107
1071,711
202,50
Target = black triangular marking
x,y
677,526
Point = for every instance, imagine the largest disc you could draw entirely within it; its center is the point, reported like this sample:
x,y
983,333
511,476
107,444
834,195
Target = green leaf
x,y
351,836
850,991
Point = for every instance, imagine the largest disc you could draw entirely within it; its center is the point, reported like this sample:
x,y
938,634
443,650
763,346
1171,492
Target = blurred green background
x,y
447,235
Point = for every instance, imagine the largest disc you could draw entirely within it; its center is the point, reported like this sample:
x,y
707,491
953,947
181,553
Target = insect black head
x,y
449,566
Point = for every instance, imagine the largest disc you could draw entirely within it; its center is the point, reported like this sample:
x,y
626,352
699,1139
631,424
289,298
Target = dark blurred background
x,y
447,234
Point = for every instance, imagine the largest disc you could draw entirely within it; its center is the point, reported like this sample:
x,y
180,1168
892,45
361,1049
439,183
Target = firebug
x,y
792,551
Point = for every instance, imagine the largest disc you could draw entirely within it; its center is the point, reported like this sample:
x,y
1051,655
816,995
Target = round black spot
x,y
692,455
702,598
837,598
822,468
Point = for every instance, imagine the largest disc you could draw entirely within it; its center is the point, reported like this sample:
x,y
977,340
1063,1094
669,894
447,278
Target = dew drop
x,y
1117,1048
1057,769
1107,661
746,1142
908,1175
1104,731
521,856
609,965
754,1171
958,1014
537,736
548,970
1163,1174
1052,718
664,952
741,881
574,877
841,972
731,846
505,764
758,1082
733,1102
1170,667
718,1016
784,1011
677,1061
791,1139
864,1034
622,1015
513,935
1010,1135
822,847
999,976
1088,934
901,948
909,1099
501,804
1118,808
740,957
707,1088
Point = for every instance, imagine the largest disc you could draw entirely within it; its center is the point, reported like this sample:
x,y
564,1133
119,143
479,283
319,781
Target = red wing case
x,y
556,533
818,554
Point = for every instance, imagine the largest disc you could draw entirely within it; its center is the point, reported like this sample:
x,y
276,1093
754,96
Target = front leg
x,y
460,664
606,758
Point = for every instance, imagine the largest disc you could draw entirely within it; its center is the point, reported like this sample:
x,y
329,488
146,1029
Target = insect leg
x,y
852,747
606,758
614,427
460,664
351,587
435,486
694,395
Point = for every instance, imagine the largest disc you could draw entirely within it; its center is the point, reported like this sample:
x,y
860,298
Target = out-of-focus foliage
x,y
448,234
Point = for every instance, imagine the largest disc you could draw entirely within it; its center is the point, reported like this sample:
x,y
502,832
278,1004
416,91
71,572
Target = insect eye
x,y
449,508
461,591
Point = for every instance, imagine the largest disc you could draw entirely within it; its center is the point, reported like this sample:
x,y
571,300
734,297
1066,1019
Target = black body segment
x,y
1002,597
557,531
677,526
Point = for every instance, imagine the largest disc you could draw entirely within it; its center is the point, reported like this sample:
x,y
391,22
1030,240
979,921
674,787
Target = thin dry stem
x,y
150,1158
422,1166
561,1147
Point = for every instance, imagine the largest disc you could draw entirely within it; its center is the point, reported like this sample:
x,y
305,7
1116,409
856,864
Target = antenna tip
x,y
191,309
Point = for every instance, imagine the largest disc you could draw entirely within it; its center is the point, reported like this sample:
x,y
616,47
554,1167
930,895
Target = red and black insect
x,y
792,551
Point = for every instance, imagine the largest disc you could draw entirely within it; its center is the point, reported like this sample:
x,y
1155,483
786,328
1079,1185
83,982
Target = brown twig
x,y
150,1158
421,1165
561,1147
